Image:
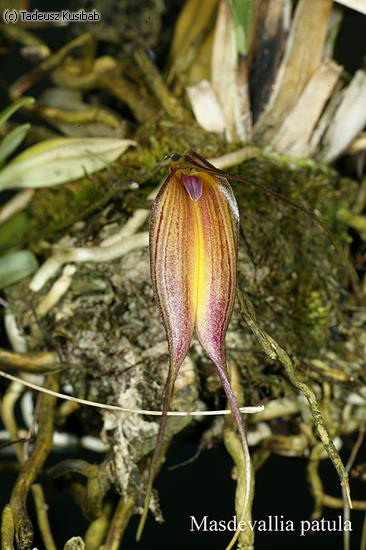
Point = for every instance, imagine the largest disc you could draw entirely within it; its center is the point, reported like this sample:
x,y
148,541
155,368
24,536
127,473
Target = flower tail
x,y
156,458
239,422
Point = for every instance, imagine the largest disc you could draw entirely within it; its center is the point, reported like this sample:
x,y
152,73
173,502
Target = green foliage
x,y
241,11
14,138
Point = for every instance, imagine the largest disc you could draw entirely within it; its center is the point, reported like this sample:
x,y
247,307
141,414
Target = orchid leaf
x,y
6,113
241,11
10,141
15,266
56,161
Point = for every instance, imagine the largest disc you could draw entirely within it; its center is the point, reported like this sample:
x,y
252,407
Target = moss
x,y
54,209
288,261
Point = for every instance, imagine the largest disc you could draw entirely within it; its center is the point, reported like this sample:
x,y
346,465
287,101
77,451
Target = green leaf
x,y
241,11
56,161
6,113
14,230
16,265
10,141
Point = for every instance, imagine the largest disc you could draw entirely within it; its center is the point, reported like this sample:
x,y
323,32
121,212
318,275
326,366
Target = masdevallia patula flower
x,y
194,227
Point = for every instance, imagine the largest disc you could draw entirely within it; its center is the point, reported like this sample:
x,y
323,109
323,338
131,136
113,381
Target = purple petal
x,y
193,186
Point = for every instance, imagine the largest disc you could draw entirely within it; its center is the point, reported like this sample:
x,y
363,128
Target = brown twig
x,y
333,502
157,85
31,468
37,362
52,61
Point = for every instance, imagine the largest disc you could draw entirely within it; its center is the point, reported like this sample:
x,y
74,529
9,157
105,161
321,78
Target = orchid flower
x,y
193,256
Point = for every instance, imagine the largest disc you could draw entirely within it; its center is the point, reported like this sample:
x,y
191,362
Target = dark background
x,y
204,487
